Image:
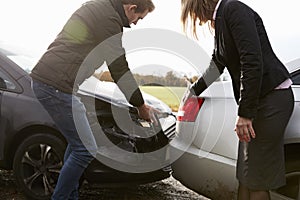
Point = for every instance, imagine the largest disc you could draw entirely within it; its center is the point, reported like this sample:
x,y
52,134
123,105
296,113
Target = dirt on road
x,y
168,189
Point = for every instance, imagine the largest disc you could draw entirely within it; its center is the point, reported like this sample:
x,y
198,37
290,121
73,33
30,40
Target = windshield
x,y
20,57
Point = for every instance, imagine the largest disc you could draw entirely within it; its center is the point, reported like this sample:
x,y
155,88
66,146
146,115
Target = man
x,y
66,64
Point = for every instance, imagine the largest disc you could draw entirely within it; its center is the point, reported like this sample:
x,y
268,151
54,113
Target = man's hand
x,y
244,129
147,113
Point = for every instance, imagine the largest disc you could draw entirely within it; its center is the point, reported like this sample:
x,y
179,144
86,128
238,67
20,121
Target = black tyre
x,y
37,163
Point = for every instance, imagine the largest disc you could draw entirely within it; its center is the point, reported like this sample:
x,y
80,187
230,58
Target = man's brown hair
x,y
142,5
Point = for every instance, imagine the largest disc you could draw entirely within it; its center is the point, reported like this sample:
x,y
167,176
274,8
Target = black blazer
x,y
243,47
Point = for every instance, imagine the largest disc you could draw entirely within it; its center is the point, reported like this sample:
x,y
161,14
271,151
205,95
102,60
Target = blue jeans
x,y
82,147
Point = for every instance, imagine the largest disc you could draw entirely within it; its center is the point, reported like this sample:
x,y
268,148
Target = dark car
x,y
32,146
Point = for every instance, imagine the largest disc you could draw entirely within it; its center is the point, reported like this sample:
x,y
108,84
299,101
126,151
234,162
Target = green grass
x,y
169,95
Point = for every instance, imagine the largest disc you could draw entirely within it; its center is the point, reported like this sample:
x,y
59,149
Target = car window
x,y
296,78
6,83
22,58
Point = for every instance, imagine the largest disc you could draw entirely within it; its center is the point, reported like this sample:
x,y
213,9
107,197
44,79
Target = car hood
x,y
110,92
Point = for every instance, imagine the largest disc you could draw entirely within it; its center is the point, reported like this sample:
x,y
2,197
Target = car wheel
x,y
37,163
292,188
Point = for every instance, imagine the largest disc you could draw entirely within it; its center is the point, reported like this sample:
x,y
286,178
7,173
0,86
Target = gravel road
x,y
168,189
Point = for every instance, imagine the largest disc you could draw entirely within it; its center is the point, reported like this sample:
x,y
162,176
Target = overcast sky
x,y
35,23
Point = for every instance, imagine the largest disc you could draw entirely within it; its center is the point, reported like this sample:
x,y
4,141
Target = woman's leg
x,y
259,195
266,151
243,192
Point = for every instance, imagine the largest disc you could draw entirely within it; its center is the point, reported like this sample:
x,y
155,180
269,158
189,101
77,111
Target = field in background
x,y
169,95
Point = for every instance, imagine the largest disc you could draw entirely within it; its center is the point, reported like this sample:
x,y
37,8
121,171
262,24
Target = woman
x,y
261,87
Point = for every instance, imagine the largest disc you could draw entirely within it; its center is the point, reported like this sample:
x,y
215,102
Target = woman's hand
x,y
244,129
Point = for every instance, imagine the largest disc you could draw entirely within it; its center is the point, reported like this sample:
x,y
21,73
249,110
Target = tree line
x,y
170,79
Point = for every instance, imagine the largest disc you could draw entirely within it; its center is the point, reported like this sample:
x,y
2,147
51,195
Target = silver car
x,y
206,143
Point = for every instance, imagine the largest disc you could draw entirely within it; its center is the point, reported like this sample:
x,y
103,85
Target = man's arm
x,y
123,77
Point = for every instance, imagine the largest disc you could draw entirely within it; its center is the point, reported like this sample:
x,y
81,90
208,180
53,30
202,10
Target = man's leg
x,y
74,193
81,153
83,149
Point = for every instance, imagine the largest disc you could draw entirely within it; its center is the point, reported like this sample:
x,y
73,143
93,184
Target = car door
x,y
7,86
3,87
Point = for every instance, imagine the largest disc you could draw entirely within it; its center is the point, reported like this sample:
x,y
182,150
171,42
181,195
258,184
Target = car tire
x,y
37,163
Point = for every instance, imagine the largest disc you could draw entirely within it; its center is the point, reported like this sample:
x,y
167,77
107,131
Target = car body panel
x,y
207,173
292,134
17,107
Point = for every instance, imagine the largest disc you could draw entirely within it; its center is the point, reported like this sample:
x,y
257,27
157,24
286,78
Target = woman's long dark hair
x,y
195,10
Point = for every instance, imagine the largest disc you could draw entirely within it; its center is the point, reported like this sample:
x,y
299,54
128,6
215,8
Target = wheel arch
x,y
292,158
25,133
292,151
292,166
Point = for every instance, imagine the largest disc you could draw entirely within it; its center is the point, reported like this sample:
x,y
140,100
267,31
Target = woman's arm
x,y
210,75
240,20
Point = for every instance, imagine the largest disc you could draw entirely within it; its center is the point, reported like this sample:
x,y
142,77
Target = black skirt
x,y
260,164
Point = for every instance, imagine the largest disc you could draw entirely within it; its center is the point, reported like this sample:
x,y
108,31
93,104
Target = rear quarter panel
x,y
292,134
216,121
